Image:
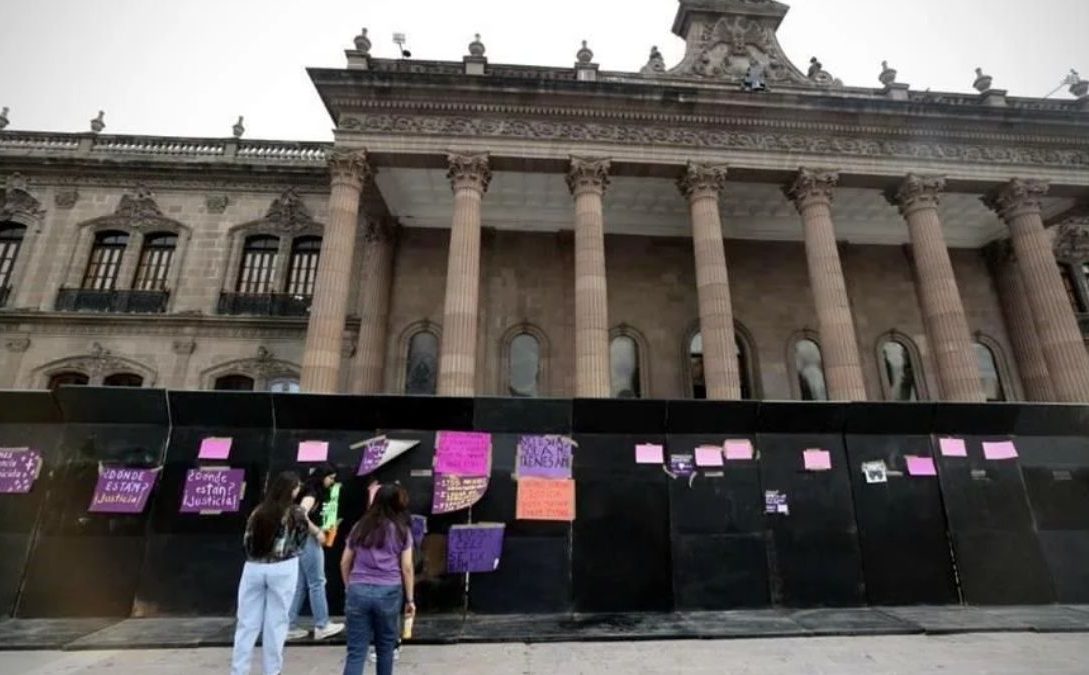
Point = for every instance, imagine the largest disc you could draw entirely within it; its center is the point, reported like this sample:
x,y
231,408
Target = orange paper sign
x,y
545,499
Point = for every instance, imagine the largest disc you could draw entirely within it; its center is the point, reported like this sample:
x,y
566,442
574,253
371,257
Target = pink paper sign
x,y
313,451
649,453
953,447
463,453
738,450
709,455
817,460
215,448
1000,450
921,466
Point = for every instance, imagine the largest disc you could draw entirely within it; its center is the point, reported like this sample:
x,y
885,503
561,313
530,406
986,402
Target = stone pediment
x,y
735,41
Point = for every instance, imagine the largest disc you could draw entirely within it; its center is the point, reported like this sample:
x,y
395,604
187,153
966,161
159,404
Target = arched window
x,y
898,371
155,259
696,373
105,262
255,276
524,368
234,383
303,270
809,369
988,370
11,239
123,380
284,385
422,368
624,365
68,378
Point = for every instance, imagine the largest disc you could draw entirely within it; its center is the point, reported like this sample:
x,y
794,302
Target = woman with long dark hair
x,y
313,498
275,533
378,575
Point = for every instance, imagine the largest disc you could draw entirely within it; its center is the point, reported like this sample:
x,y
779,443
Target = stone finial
x,y
584,55
4,121
98,123
815,68
916,192
655,64
588,174
812,185
702,178
983,81
363,43
888,75
476,47
1017,197
238,129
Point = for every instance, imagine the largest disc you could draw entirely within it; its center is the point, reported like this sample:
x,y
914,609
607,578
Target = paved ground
x,y
992,653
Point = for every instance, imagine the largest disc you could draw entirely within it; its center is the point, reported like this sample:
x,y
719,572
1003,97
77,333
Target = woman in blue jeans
x,y
312,498
377,571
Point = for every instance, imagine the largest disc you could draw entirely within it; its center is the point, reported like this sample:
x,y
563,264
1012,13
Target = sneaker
x,y
372,655
297,633
397,654
330,630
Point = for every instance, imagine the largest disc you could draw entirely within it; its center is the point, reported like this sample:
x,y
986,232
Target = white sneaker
x,y
297,633
372,655
330,630
397,654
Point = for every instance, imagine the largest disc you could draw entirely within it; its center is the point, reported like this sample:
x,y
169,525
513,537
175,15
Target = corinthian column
x,y
588,179
943,312
469,177
325,334
812,193
701,184
1018,203
379,243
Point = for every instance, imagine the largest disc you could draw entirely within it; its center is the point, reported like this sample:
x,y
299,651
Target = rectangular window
x,y
105,262
155,259
303,271
258,269
9,250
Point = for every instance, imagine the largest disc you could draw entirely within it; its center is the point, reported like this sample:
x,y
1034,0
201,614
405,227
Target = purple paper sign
x,y
474,548
19,468
419,528
463,453
122,490
213,490
544,456
373,452
682,466
454,493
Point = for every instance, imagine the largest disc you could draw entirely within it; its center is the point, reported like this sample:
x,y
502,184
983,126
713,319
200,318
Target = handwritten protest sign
x,y
213,490
544,499
682,466
122,490
474,548
19,468
379,451
419,528
215,448
775,501
544,456
463,453
454,493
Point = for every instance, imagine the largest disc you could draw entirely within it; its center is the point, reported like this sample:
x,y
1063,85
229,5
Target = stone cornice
x,y
167,326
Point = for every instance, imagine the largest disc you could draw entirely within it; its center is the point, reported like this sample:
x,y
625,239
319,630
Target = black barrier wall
x,y
981,532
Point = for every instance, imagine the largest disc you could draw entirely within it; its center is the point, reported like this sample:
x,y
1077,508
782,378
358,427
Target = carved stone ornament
x,y
16,202
216,203
702,178
917,192
469,172
1072,241
288,213
363,43
888,75
17,344
655,64
265,366
136,211
813,185
1017,197
66,199
350,166
588,175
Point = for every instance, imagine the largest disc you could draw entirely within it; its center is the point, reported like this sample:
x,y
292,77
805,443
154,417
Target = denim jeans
x,y
312,584
264,596
374,613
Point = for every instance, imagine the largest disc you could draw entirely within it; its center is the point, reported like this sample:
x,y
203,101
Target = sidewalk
x,y
992,653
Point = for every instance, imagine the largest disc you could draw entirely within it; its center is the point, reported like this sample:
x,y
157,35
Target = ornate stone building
x,y
728,227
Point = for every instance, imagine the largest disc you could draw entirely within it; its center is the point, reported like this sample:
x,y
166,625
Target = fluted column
x,y
1018,203
943,312
702,184
588,179
1019,323
812,193
380,241
469,177
325,334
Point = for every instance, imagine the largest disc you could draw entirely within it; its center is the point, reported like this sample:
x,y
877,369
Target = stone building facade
x,y
729,227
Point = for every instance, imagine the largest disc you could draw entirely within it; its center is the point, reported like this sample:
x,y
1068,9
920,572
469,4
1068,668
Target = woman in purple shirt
x,y
376,565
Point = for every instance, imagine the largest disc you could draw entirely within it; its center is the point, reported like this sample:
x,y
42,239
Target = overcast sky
x,y
190,67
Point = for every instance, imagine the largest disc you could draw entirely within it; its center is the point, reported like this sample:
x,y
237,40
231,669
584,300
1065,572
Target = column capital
x,y
382,230
349,166
702,178
918,191
812,186
587,174
1017,197
469,172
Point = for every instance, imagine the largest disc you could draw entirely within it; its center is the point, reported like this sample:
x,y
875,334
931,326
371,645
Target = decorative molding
x,y
699,179
812,185
262,368
66,199
349,166
469,172
1017,197
216,203
98,363
17,344
16,202
184,347
1072,241
586,174
917,192
136,212
288,214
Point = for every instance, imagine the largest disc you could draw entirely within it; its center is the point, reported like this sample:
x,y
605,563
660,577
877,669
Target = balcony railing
x,y
264,304
120,302
5,293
